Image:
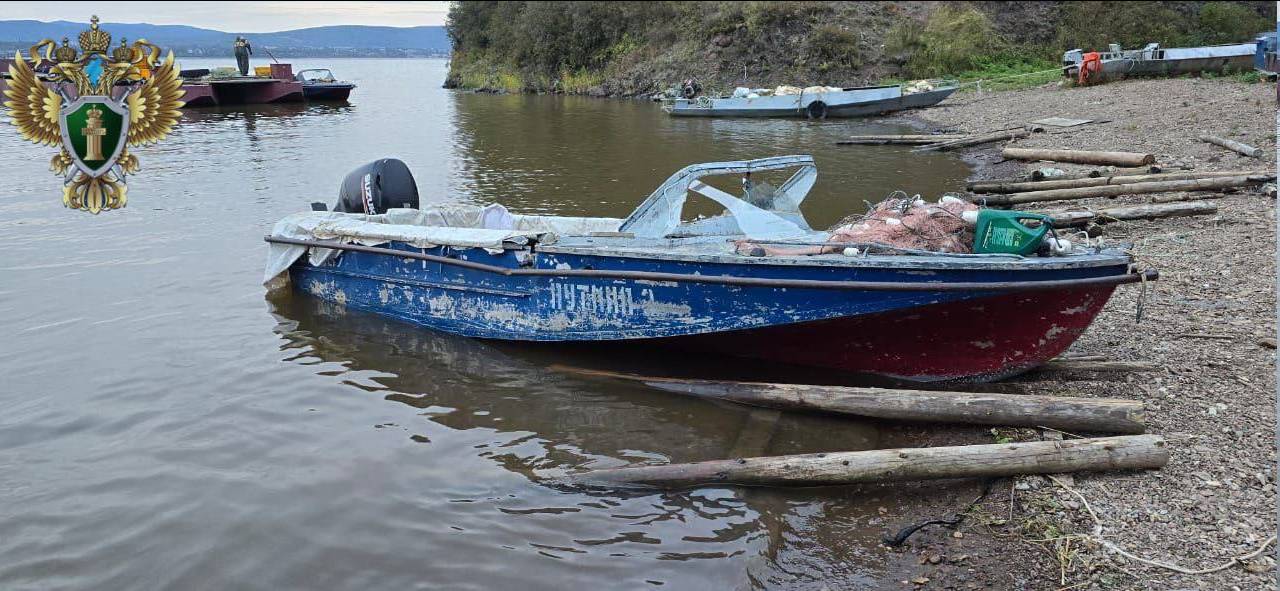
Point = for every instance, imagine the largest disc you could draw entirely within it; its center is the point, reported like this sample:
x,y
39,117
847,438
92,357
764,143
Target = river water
x,y
168,425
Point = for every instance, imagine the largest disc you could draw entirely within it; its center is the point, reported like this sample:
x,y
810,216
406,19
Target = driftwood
x,y
973,141
1068,219
1037,175
1101,181
1078,414
1209,184
1232,145
1080,156
1107,366
1130,452
897,139
1177,197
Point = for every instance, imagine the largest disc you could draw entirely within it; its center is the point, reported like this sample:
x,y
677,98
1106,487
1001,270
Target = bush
x,y
904,39
760,16
831,47
955,39
1226,22
1091,26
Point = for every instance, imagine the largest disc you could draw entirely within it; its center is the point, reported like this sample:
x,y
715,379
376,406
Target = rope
x,y
1098,533
901,537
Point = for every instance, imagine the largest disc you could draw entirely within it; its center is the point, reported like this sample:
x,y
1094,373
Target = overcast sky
x,y
239,17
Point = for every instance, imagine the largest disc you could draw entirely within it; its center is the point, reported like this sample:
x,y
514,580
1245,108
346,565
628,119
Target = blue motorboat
x,y
654,279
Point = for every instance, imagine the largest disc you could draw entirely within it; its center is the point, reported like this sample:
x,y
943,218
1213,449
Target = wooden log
x,y
1128,452
896,139
1105,180
1080,156
1102,366
1068,219
910,136
1209,184
973,141
1176,197
1083,414
1036,175
1232,145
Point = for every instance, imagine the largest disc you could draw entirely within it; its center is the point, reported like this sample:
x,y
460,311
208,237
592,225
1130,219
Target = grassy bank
x,y
627,49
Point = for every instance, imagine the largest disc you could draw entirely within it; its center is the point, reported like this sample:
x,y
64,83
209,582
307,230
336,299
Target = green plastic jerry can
x,y
1001,231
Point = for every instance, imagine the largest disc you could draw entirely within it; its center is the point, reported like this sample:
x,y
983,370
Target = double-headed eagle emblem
x,y
95,104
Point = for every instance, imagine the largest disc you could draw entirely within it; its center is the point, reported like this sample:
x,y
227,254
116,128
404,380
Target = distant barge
x,y
279,87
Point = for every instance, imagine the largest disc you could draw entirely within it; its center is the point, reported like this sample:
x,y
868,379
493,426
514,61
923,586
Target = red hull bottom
x,y
981,339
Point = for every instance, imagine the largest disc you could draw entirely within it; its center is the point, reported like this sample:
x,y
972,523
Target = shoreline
x,y
1213,399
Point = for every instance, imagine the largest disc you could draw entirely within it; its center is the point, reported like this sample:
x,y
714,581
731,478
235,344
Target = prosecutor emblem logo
x,y
94,104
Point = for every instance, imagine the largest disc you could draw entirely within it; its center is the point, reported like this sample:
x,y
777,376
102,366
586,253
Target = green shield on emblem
x,y
94,130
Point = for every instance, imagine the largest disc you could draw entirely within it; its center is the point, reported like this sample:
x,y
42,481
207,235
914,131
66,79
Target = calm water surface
x,y
167,425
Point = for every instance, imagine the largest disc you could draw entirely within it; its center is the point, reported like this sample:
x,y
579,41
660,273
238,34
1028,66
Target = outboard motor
x,y
376,187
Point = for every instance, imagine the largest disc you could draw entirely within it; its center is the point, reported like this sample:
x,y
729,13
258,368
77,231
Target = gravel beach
x,y
1210,325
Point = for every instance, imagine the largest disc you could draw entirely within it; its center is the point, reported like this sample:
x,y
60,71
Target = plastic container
x,y
262,71
1000,231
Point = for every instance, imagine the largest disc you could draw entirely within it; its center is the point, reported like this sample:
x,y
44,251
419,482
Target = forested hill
x,y
184,40
632,48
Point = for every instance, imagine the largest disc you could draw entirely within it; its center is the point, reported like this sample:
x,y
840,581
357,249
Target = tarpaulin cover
x,y
458,225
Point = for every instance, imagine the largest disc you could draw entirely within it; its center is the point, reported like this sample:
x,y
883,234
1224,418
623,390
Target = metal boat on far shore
x,y
1154,60
818,104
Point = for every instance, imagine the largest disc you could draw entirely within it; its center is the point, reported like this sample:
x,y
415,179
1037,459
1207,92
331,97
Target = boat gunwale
x,y
940,262
1131,275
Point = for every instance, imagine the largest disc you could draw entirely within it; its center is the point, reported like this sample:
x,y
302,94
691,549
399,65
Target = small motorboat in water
x,y
817,102
318,84
654,279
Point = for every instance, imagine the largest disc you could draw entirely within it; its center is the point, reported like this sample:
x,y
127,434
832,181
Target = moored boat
x,y
1154,60
319,84
205,89
820,103
652,279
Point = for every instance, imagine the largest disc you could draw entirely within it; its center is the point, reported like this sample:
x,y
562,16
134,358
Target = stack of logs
x,y
1128,173
1141,177
1130,451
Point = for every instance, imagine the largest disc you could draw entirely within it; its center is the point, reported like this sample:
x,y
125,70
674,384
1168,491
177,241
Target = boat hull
x,y
327,92
856,106
915,334
979,339
252,91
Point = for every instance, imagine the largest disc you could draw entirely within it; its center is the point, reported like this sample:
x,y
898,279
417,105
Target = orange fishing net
x,y
906,223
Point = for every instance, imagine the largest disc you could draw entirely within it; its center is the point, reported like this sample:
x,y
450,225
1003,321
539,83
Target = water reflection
x,y
582,421
516,413
584,156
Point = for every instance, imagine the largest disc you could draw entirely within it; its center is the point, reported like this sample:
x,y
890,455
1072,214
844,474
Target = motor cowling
x,y
376,187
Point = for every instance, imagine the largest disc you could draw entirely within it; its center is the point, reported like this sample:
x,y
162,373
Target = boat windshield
x,y
772,215
316,75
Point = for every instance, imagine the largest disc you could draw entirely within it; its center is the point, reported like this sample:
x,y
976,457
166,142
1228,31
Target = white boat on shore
x,y
818,103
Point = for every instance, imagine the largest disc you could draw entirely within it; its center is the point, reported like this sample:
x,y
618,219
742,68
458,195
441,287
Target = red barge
x,y
279,87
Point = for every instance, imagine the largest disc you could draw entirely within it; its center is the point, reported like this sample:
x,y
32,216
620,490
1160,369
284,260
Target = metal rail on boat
x,y
1132,276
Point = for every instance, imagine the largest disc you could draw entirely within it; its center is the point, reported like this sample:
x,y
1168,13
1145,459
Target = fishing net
x,y
899,223
911,223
